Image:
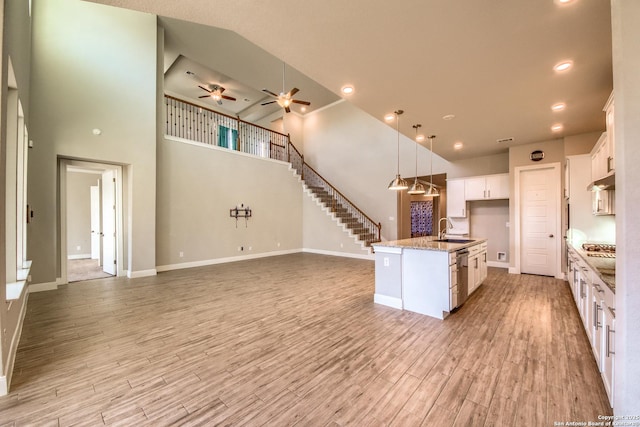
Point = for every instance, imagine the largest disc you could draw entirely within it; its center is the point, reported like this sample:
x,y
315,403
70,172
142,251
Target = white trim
x,y
5,380
370,257
558,196
41,287
141,273
498,264
169,267
223,149
388,301
79,256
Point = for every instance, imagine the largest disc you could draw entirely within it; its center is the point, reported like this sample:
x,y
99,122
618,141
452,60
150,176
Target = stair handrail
x,y
368,222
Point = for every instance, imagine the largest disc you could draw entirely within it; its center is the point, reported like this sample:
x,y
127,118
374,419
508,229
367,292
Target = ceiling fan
x,y
285,99
215,92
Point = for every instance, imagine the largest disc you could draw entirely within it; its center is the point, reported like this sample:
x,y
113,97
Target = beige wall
x,y
486,165
488,218
580,144
79,212
198,185
357,153
626,63
85,80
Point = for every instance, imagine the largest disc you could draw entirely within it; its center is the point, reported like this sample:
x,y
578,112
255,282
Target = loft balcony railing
x,y
195,123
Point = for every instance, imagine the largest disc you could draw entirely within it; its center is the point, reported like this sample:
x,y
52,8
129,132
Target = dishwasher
x,y
462,262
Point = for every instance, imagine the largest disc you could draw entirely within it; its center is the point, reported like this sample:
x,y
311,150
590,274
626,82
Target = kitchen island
x,y
422,274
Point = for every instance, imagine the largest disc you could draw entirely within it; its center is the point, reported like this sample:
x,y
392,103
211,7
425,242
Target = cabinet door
x,y
453,297
497,186
456,204
608,350
483,267
475,188
474,272
611,137
596,323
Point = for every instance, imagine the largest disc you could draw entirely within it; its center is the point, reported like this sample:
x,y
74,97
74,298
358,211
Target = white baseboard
x,y
513,270
5,379
499,264
141,273
169,267
370,257
41,287
388,301
79,256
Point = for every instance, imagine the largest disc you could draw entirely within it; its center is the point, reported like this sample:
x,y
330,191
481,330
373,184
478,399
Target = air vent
x,y
505,140
190,73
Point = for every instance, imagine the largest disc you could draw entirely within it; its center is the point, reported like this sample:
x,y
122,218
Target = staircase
x,y
348,219
194,122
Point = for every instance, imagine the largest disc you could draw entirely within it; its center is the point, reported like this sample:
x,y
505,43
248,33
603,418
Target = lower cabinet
x,y
595,303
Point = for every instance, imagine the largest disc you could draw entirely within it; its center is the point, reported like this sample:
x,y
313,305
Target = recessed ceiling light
x,y
303,109
563,66
96,132
563,2
347,90
420,138
559,106
557,127
449,117
389,117
458,145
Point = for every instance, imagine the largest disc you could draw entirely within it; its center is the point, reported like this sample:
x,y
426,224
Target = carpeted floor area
x,y
84,269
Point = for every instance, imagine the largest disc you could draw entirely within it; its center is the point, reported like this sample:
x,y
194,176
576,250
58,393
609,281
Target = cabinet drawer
x,y
453,275
452,258
474,250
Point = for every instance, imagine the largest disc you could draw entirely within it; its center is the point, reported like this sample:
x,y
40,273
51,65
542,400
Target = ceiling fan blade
x,y
287,109
220,89
204,88
295,101
205,96
270,102
294,91
230,98
270,93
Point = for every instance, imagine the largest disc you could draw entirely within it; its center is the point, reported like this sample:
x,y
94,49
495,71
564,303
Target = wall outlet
x,y
386,261
78,248
391,218
250,247
181,254
502,256
278,244
342,245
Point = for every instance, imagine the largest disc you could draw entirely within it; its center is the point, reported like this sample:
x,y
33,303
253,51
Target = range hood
x,y
606,183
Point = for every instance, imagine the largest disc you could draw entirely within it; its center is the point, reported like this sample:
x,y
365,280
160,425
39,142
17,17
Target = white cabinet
x,y
596,306
611,136
608,350
456,203
477,266
603,153
453,282
487,187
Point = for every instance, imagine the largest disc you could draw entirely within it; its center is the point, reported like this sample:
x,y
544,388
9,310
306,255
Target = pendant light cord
x,y
397,113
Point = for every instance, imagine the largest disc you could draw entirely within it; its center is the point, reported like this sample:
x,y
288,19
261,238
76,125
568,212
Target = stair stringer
x,y
366,250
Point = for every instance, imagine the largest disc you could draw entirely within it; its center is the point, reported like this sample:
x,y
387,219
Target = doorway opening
x,y
91,220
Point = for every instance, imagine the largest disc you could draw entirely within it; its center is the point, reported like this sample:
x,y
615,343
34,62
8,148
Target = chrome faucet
x,y
442,233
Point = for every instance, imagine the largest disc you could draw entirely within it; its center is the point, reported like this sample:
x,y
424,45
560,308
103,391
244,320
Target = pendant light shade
x,y
398,183
432,191
416,187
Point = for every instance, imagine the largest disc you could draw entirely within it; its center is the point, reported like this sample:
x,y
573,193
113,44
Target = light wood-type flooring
x,y
297,340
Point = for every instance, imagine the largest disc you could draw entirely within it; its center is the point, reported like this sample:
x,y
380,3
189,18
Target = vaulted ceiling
x,y
489,64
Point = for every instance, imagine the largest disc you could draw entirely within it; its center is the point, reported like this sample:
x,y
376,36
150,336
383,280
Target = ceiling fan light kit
x,y
284,99
215,93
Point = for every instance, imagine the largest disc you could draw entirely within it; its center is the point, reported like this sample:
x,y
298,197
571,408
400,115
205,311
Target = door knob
x,y
550,235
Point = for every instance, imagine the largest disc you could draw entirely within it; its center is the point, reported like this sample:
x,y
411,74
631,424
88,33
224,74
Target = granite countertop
x,y
605,268
429,243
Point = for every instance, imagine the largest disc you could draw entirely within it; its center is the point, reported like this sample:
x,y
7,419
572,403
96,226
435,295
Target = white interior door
x,y
95,222
109,222
538,221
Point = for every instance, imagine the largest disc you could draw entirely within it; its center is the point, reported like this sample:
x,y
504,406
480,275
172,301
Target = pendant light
x,y
416,187
432,191
398,183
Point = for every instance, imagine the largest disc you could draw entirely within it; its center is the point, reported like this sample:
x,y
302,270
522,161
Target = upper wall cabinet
x,y
487,187
456,203
604,152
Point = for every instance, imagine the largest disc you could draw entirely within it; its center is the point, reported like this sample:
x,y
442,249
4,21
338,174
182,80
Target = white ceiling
x,y
488,63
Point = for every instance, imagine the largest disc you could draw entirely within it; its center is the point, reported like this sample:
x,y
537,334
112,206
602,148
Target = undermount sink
x,y
454,240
